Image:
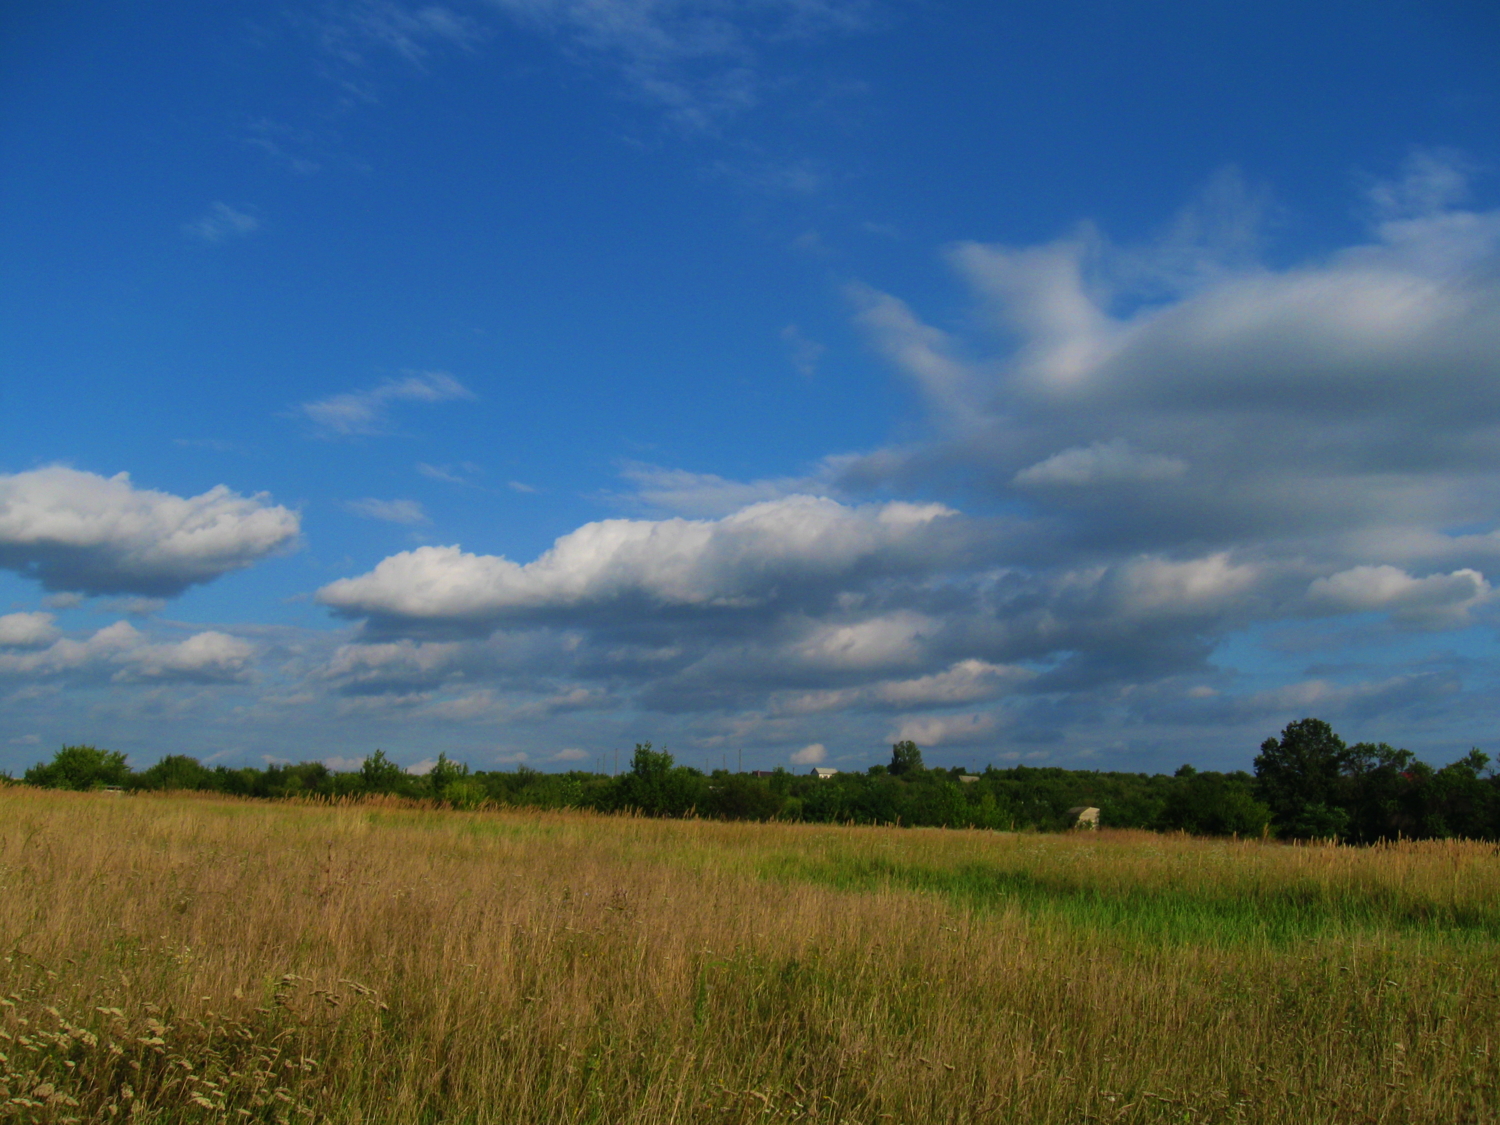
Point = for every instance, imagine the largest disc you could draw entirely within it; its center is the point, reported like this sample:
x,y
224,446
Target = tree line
x,y
1307,784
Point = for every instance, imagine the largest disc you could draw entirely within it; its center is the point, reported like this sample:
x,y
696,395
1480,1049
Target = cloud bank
x,y
1155,449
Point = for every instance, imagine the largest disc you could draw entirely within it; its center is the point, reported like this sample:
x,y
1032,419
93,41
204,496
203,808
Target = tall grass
x,y
182,959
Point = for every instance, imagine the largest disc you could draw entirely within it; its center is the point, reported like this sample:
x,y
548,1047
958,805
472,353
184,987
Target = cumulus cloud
x,y
810,755
1314,402
967,681
367,412
78,532
949,730
1438,599
1184,454
408,512
25,630
123,654
742,560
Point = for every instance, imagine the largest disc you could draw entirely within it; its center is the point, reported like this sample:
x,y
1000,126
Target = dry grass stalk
x,y
171,959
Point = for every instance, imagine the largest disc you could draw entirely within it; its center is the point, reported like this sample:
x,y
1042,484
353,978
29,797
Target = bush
x,y
1213,804
80,767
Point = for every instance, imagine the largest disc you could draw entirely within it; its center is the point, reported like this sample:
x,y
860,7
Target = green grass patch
x,y
1230,913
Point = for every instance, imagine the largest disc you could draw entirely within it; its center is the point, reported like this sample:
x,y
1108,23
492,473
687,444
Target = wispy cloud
x,y
367,412
221,223
450,474
357,29
408,512
804,353
700,60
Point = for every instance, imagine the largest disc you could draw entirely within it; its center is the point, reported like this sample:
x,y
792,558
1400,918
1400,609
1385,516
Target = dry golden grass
x,y
192,959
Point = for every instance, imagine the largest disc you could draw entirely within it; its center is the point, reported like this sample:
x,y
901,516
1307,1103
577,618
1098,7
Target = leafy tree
x,y
736,796
451,782
80,767
649,764
1300,777
905,758
1213,804
175,771
656,787
378,774
1461,802
1384,793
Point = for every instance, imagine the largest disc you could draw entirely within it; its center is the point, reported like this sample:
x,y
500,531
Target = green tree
x,y
450,782
175,771
905,758
80,767
649,764
1212,804
378,774
1301,777
737,796
656,787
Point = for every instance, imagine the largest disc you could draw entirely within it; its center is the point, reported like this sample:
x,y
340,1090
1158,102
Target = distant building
x,y
968,778
824,772
1084,816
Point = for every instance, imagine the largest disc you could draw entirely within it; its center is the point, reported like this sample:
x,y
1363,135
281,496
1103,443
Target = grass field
x,y
190,959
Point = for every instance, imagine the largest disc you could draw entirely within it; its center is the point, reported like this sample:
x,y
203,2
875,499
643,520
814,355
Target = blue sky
x,y
1074,383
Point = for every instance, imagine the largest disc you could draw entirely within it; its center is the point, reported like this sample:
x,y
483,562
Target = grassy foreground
x,y
197,959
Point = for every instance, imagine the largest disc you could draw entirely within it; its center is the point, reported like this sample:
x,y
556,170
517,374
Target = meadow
x,y
197,958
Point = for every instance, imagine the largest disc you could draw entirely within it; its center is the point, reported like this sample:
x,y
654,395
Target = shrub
x,y
80,767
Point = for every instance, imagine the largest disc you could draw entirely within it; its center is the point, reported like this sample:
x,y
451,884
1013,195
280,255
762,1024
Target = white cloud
x,y
810,755
367,412
220,223
1102,463
1156,586
1438,599
946,730
571,755
701,494
75,531
26,630
203,656
408,512
449,474
892,640
967,681
125,655
739,561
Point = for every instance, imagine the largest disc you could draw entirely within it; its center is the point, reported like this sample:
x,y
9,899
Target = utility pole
x,y
617,763
740,761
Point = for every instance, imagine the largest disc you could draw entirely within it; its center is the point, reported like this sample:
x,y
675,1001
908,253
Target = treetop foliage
x,y
1307,784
